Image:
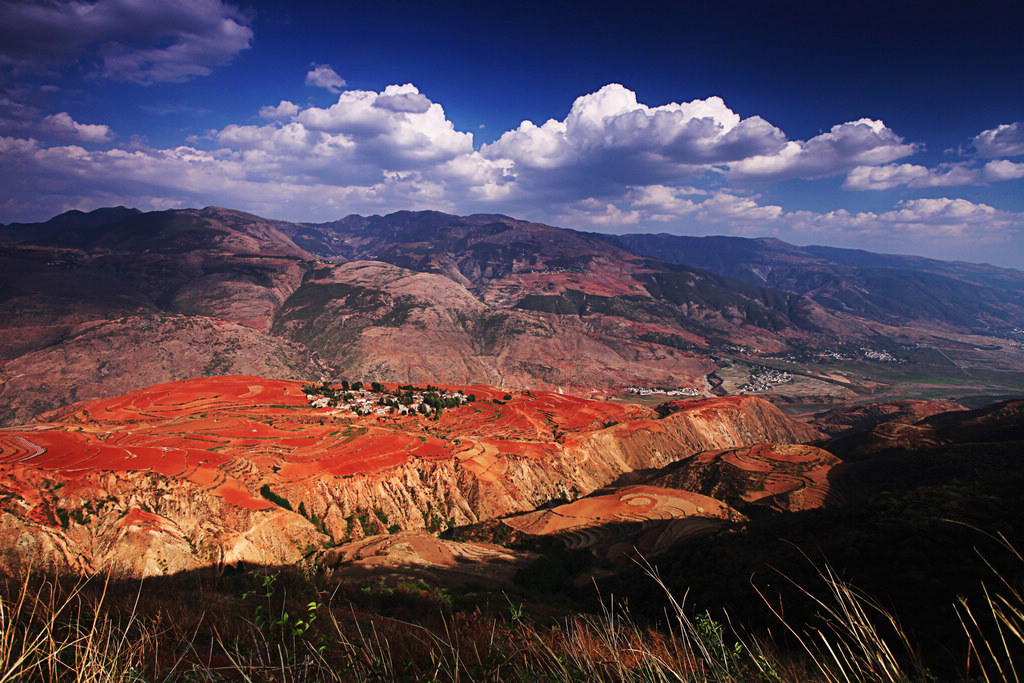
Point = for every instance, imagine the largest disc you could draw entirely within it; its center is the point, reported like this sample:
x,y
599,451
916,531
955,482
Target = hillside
x,y
242,494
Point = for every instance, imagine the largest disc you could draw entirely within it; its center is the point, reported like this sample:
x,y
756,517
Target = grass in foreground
x,y
277,626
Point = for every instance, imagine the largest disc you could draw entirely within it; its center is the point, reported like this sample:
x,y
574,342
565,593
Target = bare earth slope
x,y
371,319
860,417
696,494
116,356
538,268
998,422
106,306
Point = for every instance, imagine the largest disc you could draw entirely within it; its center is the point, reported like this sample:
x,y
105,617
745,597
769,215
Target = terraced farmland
x,y
221,470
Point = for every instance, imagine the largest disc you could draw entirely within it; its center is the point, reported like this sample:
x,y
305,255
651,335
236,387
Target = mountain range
x,y
95,304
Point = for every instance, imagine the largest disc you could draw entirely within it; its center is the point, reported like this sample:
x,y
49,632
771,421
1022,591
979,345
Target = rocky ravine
x,y
183,475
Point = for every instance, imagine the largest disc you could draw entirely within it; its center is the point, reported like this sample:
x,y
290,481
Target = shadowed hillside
x,y
880,287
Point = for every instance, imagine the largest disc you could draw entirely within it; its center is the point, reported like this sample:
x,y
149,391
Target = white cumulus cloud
x,y
1002,169
611,164
283,110
883,177
308,163
931,218
948,175
185,176
388,137
662,203
942,210
408,102
63,126
609,142
1006,140
725,207
864,142
323,76
595,213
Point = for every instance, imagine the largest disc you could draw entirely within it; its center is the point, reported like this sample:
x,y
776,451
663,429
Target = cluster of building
x,y
742,350
550,271
366,402
646,391
831,354
880,356
763,379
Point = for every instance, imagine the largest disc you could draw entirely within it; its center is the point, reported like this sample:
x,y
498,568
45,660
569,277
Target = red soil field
x,y
628,504
634,518
783,476
231,435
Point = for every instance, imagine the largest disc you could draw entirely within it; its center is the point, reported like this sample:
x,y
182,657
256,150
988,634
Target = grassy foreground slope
x,y
868,587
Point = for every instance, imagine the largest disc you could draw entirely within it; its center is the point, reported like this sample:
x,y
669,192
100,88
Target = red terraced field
x,y
231,435
691,497
631,519
628,504
782,476
428,557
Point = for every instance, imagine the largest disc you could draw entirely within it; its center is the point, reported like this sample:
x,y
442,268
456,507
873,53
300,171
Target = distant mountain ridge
x,y
69,220
883,287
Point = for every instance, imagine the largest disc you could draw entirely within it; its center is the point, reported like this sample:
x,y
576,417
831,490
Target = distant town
x,y
864,352
763,379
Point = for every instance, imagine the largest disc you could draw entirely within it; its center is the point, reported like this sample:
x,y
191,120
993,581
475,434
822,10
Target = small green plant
x,y
434,522
369,528
278,624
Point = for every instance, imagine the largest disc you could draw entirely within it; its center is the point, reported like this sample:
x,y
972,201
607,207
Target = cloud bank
x,y
848,145
141,42
950,175
612,163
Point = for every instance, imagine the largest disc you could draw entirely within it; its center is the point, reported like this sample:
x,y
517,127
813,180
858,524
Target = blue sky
x,y
894,127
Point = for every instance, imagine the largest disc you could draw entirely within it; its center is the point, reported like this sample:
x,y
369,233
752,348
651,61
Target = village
x,y
647,391
880,356
763,379
877,355
379,401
